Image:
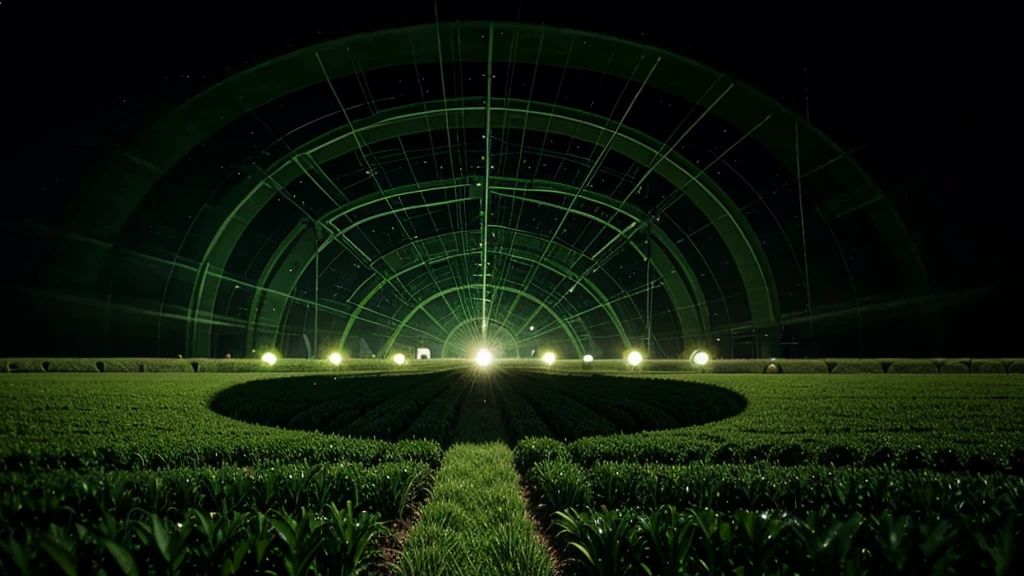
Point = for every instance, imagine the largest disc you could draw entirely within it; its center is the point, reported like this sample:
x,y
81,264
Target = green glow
x,y
157,152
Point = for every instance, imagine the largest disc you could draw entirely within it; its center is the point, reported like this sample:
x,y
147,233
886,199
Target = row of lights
x,y
484,358
634,358
270,358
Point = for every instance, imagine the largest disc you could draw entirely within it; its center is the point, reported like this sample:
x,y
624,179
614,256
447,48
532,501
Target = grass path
x,y
476,522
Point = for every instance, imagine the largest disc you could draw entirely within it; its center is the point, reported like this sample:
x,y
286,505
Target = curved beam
x,y
735,231
588,285
576,255
266,332
574,338
448,339
514,186
134,170
665,256
721,212
155,152
746,253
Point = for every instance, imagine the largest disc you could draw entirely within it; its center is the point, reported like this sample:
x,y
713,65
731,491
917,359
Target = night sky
x,y
923,101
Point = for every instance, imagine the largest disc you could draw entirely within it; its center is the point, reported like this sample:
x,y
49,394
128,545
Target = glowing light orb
x,y
548,358
399,359
700,358
588,358
269,358
484,357
634,358
334,358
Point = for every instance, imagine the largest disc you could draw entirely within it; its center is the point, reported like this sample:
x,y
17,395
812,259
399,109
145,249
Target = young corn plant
x,y
302,538
759,542
1000,543
714,533
168,545
669,537
343,542
348,543
562,486
608,543
829,543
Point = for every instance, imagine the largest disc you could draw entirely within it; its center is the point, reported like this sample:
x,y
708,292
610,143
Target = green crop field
x,y
511,472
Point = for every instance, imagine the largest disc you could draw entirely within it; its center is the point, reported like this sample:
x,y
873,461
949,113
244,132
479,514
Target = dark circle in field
x,y
371,406
576,406
404,406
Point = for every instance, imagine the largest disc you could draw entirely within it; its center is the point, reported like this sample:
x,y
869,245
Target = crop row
x,y
520,419
437,421
796,491
666,540
268,450
564,416
629,518
149,420
420,406
68,497
631,414
678,449
475,522
158,421
337,540
389,420
950,424
588,406
960,410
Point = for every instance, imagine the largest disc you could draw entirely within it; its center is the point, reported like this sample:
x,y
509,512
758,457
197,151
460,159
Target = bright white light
x,y
634,358
269,357
701,358
484,357
334,358
531,328
399,359
588,358
548,358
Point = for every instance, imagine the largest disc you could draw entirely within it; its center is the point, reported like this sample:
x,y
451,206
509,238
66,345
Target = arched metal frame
x,y
447,343
574,335
574,338
720,210
137,170
665,257
588,285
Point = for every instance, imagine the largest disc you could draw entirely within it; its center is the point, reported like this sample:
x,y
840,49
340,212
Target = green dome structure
x,y
438,185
